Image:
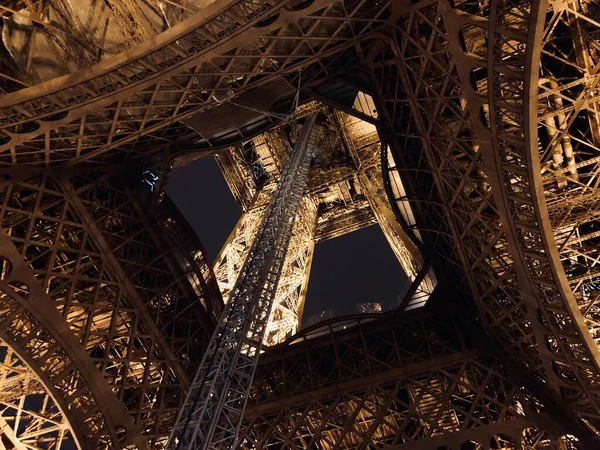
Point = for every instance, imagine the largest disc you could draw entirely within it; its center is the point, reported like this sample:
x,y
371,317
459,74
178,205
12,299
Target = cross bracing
x,y
487,116
450,394
214,408
344,193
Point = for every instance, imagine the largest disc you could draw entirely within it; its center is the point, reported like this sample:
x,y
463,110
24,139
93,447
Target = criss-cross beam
x,y
44,40
140,96
469,78
291,291
401,381
29,315
112,322
212,413
30,414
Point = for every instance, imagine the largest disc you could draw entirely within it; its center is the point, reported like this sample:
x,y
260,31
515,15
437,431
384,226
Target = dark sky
x,y
358,267
202,195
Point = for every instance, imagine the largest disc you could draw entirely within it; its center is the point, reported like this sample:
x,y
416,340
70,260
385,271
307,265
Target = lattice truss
x,y
502,144
345,192
363,142
121,106
491,160
29,417
568,144
107,315
293,282
42,40
291,291
411,383
214,407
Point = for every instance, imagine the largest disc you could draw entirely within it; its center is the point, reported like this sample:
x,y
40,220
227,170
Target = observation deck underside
x,y
481,164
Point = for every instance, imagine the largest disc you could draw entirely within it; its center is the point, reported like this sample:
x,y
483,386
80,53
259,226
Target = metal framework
x,y
292,286
29,416
105,316
43,40
485,167
122,105
485,170
391,391
345,192
213,410
363,142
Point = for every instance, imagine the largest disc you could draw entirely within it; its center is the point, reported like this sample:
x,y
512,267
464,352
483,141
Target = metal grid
x,y
490,113
212,413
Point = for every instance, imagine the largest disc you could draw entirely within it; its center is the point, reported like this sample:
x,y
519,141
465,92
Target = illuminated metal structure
x,y
345,193
367,308
212,413
484,175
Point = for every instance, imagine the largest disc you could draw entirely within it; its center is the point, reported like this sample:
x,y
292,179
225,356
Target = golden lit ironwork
x,y
467,130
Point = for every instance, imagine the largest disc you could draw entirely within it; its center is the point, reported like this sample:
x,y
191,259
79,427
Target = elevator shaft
x,y
212,413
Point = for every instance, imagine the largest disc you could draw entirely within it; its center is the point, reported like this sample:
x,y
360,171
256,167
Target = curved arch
x,y
67,427
36,326
573,345
178,49
116,62
537,186
505,136
123,74
511,272
331,325
18,326
159,88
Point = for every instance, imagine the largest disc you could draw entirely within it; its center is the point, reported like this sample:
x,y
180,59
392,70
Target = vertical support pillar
x,y
289,301
367,154
230,259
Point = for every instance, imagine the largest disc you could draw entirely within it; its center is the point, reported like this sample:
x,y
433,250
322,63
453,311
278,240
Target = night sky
x,y
358,267
202,195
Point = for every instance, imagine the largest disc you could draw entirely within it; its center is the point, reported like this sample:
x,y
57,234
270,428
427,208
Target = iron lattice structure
x,y
30,417
483,173
293,281
392,391
213,410
129,299
345,193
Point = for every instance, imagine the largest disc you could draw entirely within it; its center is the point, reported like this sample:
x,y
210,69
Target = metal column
x,y
212,413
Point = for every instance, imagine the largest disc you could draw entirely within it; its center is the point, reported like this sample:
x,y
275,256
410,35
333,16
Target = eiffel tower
x,y
466,130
